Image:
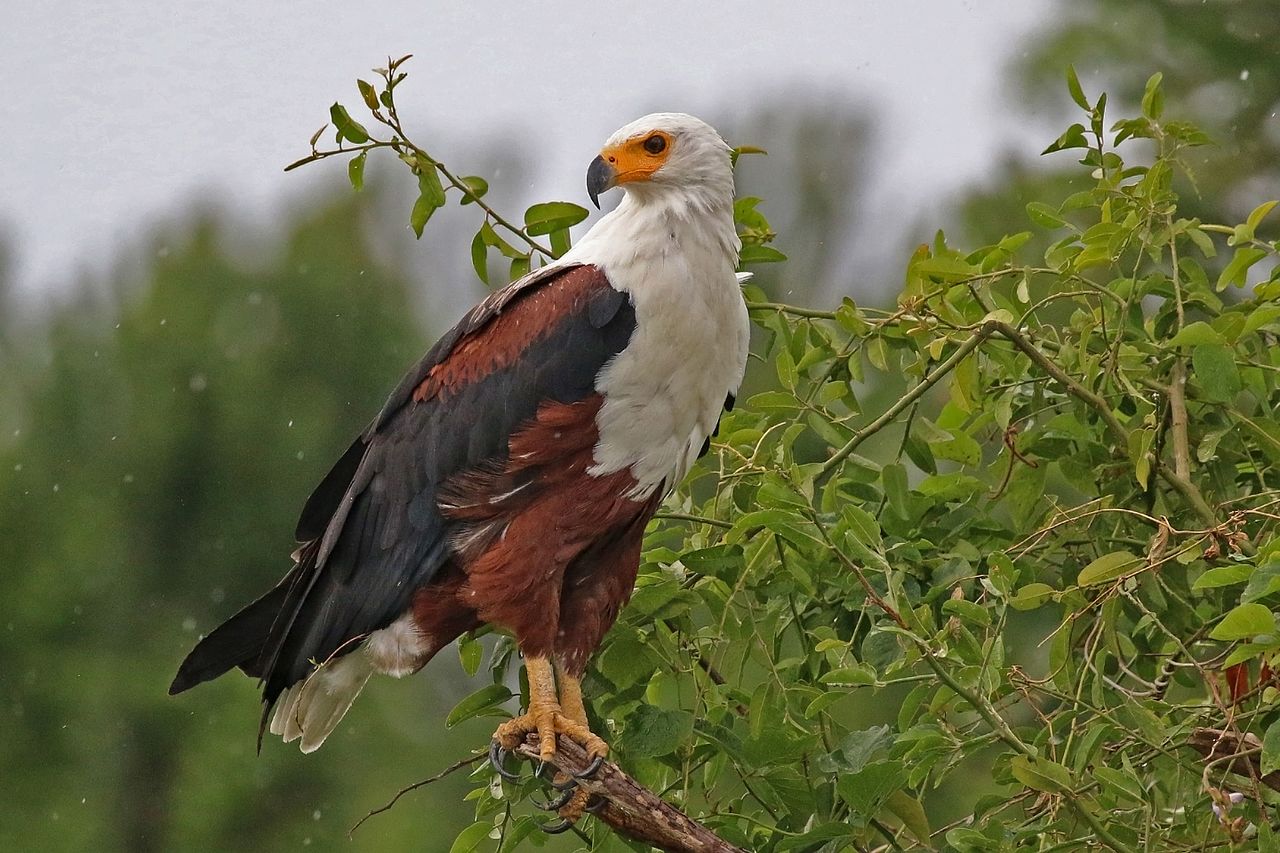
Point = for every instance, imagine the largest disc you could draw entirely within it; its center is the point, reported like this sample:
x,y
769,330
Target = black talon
x,y
591,769
559,802
498,758
567,785
555,828
594,805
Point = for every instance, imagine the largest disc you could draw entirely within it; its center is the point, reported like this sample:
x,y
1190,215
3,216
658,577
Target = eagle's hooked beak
x,y
600,177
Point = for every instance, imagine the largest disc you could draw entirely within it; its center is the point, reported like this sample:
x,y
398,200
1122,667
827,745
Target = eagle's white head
x,y
664,154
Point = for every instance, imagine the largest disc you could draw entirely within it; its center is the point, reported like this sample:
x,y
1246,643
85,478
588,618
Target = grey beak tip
x,y
600,177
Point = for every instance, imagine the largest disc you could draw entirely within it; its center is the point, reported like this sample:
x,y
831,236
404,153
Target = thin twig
x,y
970,344
457,765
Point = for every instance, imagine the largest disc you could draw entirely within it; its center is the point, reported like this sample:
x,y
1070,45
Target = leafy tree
x,y
1053,584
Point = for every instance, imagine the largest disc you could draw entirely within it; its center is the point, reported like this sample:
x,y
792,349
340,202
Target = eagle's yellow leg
x,y
549,715
575,710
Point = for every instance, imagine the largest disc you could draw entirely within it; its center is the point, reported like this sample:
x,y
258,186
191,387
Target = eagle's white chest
x,y
664,392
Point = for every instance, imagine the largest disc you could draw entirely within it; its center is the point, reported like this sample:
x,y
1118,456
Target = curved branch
x,y
631,809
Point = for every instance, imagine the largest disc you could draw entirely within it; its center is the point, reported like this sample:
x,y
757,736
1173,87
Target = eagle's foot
x,y
547,720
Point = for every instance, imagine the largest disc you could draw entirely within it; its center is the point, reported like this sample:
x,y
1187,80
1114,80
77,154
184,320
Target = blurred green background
x,y
160,429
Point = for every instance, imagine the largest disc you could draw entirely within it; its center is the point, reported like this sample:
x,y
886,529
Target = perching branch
x,y
631,809
1239,756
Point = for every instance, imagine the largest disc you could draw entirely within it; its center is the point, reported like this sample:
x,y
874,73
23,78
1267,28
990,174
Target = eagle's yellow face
x,y
639,157
660,154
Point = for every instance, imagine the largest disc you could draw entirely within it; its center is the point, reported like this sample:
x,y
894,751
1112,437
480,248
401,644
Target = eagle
x,y
509,477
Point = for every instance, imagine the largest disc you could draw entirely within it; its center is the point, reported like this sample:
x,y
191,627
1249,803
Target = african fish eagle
x,y
509,478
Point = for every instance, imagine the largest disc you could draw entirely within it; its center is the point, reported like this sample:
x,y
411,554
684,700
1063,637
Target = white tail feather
x,y
312,708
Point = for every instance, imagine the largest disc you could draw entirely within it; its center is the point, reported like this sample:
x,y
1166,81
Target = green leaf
x,y
480,257
1223,576
1044,215
945,268
1196,333
1074,88
1041,774
470,654
1244,622
970,612
896,490
368,94
422,210
476,188
1214,367
1255,218
856,749
1107,568
1271,749
472,837
868,789
1153,98
552,216
754,253
853,676
355,170
520,267
484,702
652,732
910,811
1121,783
1032,596
429,185
1236,272
348,128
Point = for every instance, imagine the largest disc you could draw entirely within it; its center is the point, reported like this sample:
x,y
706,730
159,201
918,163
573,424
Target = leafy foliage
x,y
1061,572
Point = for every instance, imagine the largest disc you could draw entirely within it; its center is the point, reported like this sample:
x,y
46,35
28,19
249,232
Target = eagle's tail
x,y
236,642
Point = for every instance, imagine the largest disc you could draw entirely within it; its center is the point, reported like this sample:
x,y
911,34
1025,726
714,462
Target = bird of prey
x,y
509,477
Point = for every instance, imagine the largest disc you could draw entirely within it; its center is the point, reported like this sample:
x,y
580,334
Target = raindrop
x,y
198,383
57,487
290,423
299,455
18,467
163,321
1244,75
315,815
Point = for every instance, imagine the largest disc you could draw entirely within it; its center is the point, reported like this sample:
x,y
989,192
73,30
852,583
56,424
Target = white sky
x,y
120,112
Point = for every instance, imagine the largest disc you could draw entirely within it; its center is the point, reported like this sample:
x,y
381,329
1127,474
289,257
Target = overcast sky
x,y
121,112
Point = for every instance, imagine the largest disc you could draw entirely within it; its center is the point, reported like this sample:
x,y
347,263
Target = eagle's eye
x,y
655,144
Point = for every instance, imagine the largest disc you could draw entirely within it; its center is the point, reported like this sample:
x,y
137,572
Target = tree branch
x,y
629,808
1239,756
970,344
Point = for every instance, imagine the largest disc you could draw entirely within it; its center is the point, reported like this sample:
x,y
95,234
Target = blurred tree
x,y
158,446
1221,72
